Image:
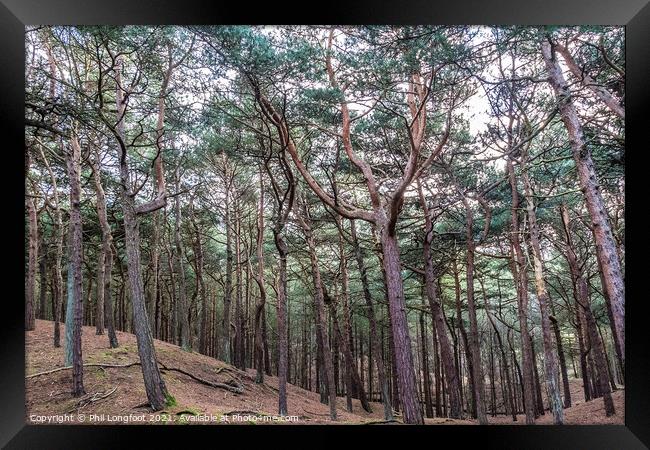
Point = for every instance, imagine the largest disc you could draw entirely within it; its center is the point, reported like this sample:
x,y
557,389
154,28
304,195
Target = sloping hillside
x,y
118,392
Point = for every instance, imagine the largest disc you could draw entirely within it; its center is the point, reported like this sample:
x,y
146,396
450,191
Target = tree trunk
x,y
198,249
583,303
473,336
520,276
155,269
411,410
182,306
225,325
372,320
563,369
355,386
608,99
508,394
461,327
57,280
425,369
75,281
321,325
101,260
31,264
154,385
606,250
580,329
283,343
539,402
42,270
550,356
239,317
259,278
446,354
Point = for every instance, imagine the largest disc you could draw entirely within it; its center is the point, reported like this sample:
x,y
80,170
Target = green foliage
x,y
170,400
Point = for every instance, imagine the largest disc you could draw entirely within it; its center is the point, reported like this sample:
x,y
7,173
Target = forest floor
x,y
116,394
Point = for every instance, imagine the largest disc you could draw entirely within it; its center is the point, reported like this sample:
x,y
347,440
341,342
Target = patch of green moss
x,y
170,400
188,411
115,352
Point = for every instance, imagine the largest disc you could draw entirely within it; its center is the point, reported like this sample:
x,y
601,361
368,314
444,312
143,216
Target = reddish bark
x,y
319,299
581,294
550,356
606,250
446,353
519,274
372,320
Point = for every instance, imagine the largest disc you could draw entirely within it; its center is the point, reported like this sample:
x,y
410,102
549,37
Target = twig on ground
x,y
97,396
237,389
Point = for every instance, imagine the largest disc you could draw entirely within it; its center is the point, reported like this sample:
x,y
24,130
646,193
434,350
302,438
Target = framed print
x,y
411,218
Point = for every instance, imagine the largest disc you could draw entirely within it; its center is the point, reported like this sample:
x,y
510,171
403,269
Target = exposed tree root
x,y
229,413
58,369
234,386
379,422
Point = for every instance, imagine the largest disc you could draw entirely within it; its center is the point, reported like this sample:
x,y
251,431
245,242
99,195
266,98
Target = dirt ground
x,y
117,395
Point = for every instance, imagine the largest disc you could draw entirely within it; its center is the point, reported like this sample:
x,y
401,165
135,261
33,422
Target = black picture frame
x,y
15,14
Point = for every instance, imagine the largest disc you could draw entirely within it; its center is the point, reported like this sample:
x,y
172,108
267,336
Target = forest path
x,y
123,388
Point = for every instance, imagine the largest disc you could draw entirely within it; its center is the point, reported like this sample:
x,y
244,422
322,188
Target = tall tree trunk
x,y
446,354
520,276
610,316
606,250
171,290
581,330
583,303
259,279
563,369
31,264
550,356
337,336
439,377
473,336
355,385
412,413
57,281
182,304
372,320
101,259
155,274
239,316
283,344
539,401
425,369
154,385
321,325
508,394
42,270
75,281
198,249
227,300
461,327
32,248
